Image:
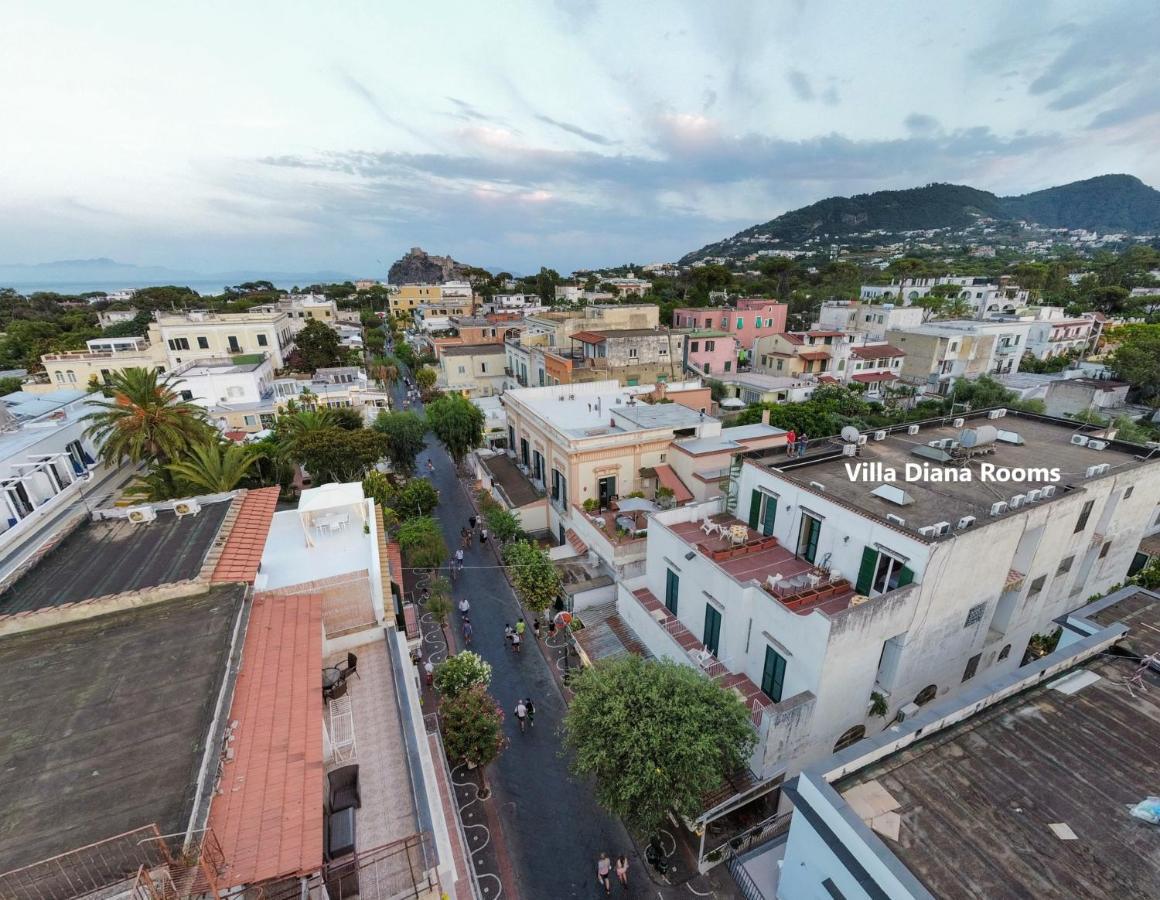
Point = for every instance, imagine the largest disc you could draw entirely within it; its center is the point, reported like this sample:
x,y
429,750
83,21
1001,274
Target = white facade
x,y
199,335
211,382
871,319
987,298
1051,337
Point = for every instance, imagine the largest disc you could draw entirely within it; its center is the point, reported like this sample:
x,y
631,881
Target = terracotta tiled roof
x,y
813,354
236,436
395,560
243,550
670,479
793,338
870,377
589,337
267,814
827,379
875,351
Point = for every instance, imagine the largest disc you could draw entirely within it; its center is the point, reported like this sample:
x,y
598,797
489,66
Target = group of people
x,y
605,867
467,533
795,444
525,712
515,635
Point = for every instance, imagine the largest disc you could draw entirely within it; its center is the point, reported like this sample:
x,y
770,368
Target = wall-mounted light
x,y
690,555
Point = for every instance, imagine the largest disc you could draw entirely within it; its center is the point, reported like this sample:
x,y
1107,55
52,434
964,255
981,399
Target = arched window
x,y
60,377
850,736
913,295
926,694
1005,652
72,376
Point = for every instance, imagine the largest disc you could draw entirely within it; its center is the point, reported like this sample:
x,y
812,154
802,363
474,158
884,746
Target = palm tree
x,y
291,426
958,308
144,418
214,467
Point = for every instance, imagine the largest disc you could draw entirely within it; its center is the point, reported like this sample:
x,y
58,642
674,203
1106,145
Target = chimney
x,y
765,417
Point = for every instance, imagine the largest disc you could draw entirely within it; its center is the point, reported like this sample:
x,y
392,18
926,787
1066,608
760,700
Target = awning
x,y
668,478
813,355
871,377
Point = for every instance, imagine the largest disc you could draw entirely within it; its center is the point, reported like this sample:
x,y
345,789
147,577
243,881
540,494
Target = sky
x,y
295,136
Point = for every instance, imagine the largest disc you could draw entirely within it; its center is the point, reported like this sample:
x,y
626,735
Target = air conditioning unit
x,y
958,423
912,429
942,527
186,508
927,531
879,435
1097,445
1017,501
1091,470
141,514
1104,467
1049,491
1079,440
1033,495
897,520
996,414
849,449
997,509
966,521
936,443
911,709
861,439
817,486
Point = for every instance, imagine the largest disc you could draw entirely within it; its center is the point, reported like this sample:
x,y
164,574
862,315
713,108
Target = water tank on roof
x,y
978,437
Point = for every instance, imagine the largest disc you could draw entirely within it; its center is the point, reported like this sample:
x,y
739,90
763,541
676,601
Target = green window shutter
x,y
905,577
866,570
754,509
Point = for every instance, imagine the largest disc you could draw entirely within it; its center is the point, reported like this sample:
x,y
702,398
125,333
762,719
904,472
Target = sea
x,y
83,287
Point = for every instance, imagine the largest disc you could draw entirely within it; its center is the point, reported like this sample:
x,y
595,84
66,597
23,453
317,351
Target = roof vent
x,y
893,494
1009,437
879,435
996,414
912,429
997,509
1048,491
1080,440
861,439
966,522
942,527
1034,495
139,515
817,486
1092,470
849,449
186,508
897,520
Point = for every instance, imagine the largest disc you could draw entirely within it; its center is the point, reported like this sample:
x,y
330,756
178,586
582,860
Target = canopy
x,y
636,504
330,502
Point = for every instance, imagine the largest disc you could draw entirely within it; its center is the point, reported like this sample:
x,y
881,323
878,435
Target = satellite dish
x,y
850,434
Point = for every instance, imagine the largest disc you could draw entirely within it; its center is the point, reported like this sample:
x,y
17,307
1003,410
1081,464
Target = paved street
x,y
552,827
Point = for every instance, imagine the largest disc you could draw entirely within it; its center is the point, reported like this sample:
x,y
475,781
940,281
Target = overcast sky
x,y
293,136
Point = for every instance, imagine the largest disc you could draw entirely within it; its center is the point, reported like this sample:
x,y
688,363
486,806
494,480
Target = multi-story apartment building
x,y
835,598
475,330
832,357
1052,336
200,334
870,319
407,297
631,355
333,388
211,382
104,356
301,308
712,353
474,370
750,319
987,297
939,352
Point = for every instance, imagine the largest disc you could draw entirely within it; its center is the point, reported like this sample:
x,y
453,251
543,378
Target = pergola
x,y
331,505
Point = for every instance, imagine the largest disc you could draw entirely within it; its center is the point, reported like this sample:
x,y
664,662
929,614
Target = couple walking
x,y
604,868
525,713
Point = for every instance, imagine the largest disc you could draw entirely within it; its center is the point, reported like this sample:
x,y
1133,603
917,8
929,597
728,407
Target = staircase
x,y
730,487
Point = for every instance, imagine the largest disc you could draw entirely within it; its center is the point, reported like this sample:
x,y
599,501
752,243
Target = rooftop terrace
x,y
586,410
105,722
1043,443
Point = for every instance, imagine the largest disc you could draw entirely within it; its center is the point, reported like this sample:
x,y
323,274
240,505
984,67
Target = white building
x,y
987,297
301,308
836,599
871,319
937,353
211,382
1056,335
45,458
107,317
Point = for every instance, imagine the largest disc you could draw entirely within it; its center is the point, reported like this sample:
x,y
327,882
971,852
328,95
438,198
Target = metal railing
x,y
744,881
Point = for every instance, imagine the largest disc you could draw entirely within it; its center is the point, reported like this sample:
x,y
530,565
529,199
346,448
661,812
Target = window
x,y
1105,548
233,342
927,694
1005,652
711,637
60,377
972,667
850,736
632,352
1064,565
1081,522
975,615
1128,492
740,323
263,341
779,362
462,370
179,343
773,675
672,589
1036,586
250,420
710,346
707,367
203,343
187,395
728,365
693,346
757,322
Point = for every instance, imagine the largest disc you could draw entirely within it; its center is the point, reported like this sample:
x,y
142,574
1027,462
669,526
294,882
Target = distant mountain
x,y
420,267
1116,203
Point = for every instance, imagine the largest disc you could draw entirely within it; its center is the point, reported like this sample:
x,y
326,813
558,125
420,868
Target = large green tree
x,y
317,347
535,578
472,725
422,543
414,497
458,423
334,454
1137,359
406,436
143,419
214,466
656,735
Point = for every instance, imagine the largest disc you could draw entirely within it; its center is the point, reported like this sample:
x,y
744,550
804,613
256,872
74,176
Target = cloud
x,y
799,83
1140,105
577,130
921,123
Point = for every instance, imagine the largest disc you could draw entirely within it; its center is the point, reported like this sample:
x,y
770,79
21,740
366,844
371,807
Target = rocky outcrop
x,y
420,267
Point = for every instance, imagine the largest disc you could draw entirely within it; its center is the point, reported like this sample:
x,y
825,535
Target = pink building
x,y
752,318
711,352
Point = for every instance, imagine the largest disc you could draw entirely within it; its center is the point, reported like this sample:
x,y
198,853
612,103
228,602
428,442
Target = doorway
x,y
606,488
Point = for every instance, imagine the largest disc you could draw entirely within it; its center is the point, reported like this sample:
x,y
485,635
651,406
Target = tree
x,y
317,347
462,672
415,497
422,543
502,523
214,467
332,454
10,386
472,724
1137,359
144,419
535,578
439,604
458,423
347,417
406,434
657,735
425,378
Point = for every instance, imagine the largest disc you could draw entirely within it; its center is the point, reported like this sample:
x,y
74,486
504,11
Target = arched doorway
x,y
927,694
850,736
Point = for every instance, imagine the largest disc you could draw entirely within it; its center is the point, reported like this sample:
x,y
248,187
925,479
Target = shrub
x,y
462,672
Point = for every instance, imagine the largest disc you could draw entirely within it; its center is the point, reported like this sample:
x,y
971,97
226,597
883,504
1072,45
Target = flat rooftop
x,y
106,720
473,350
1046,444
219,367
288,560
115,555
978,800
515,485
586,410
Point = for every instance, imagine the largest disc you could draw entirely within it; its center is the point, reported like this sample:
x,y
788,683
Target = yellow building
x,y
104,356
473,370
409,296
208,335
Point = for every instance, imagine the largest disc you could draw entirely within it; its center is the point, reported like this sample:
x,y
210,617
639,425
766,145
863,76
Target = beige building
x,y
473,370
301,308
104,356
939,352
207,335
408,297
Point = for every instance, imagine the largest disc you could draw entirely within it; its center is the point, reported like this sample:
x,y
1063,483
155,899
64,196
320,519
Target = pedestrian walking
x,y
467,630
430,466
471,523
429,668
622,870
521,712
508,631
516,641
790,441
536,628
521,626
603,868
551,628
464,606
531,711
801,443
464,536
482,536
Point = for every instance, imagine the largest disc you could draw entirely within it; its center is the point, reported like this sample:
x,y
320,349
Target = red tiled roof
x,y
267,814
875,351
870,377
793,338
243,550
236,436
589,337
670,479
813,354
395,561
827,379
